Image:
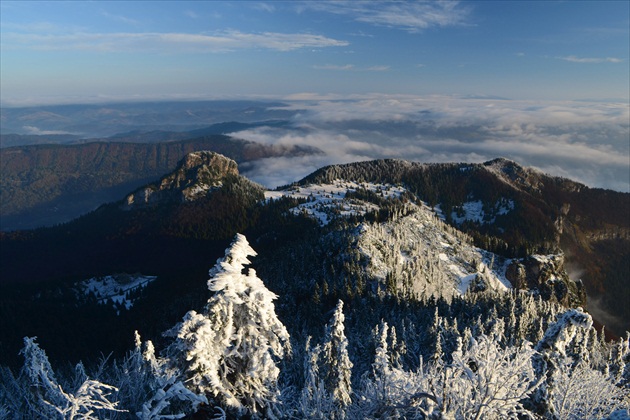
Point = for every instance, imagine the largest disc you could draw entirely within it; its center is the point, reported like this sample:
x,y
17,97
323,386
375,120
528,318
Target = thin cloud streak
x,y
171,42
119,18
574,59
410,16
350,67
344,67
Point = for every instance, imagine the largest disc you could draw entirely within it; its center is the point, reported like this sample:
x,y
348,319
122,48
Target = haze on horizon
x,y
545,83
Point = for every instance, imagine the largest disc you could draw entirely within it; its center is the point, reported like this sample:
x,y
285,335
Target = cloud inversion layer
x,y
584,141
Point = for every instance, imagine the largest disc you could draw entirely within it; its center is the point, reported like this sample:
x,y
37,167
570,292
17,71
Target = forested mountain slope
x,y
48,184
516,211
431,280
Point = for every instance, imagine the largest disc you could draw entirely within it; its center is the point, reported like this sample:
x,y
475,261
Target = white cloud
x,y
350,67
411,16
119,18
191,14
586,142
170,41
334,67
36,131
574,59
377,68
265,7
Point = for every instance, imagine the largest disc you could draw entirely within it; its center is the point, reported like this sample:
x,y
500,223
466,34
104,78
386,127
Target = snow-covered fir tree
x,y
37,394
229,352
336,362
425,357
327,389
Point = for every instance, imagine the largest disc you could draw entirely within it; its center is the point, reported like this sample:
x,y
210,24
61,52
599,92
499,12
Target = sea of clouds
x,y
585,141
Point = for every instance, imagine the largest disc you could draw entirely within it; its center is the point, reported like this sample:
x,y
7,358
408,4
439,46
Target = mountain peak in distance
x,y
195,175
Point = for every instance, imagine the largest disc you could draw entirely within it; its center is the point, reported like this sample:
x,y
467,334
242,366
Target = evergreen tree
x,y
46,398
337,364
315,402
229,352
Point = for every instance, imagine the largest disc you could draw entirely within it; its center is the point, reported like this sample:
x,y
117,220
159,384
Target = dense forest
x,y
341,296
478,356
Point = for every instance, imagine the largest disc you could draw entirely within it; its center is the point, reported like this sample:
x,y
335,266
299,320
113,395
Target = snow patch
x,y
195,191
438,212
117,289
424,256
327,201
474,211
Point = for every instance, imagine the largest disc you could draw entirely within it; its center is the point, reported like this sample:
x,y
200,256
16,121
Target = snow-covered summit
x,y
412,251
514,174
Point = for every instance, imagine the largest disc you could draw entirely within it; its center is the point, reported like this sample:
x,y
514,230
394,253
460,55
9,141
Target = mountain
x,y
47,184
517,211
104,120
196,174
135,136
16,140
382,229
400,290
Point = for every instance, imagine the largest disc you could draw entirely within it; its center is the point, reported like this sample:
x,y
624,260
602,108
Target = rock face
x,y
197,174
546,275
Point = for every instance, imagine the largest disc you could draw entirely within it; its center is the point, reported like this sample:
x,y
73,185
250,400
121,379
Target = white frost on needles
x,y
231,349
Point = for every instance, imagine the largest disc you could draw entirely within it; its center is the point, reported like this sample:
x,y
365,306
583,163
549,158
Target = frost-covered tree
x,y
572,388
328,388
337,364
488,381
148,388
315,401
38,394
229,351
581,392
552,355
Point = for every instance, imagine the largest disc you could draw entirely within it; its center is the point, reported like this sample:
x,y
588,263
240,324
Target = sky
x,y
545,83
60,51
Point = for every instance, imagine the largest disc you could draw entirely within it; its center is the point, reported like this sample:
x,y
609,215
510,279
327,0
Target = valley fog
x,y
583,141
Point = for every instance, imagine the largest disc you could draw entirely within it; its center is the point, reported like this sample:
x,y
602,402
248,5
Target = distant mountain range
x,y
93,121
388,228
42,185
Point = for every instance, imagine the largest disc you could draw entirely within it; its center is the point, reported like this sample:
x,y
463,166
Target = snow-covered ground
x,y
434,258
474,211
115,288
326,200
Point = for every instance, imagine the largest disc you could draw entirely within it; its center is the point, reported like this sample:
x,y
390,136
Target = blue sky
x,y
97,50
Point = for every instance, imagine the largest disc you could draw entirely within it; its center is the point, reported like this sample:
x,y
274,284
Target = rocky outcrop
x,y
197,174
546,274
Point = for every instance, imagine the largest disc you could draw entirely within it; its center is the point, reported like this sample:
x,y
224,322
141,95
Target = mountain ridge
x,y
196,173
308,235
590,225
48,184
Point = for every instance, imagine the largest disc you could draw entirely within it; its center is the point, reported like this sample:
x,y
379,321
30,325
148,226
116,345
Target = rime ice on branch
x,y
232,347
